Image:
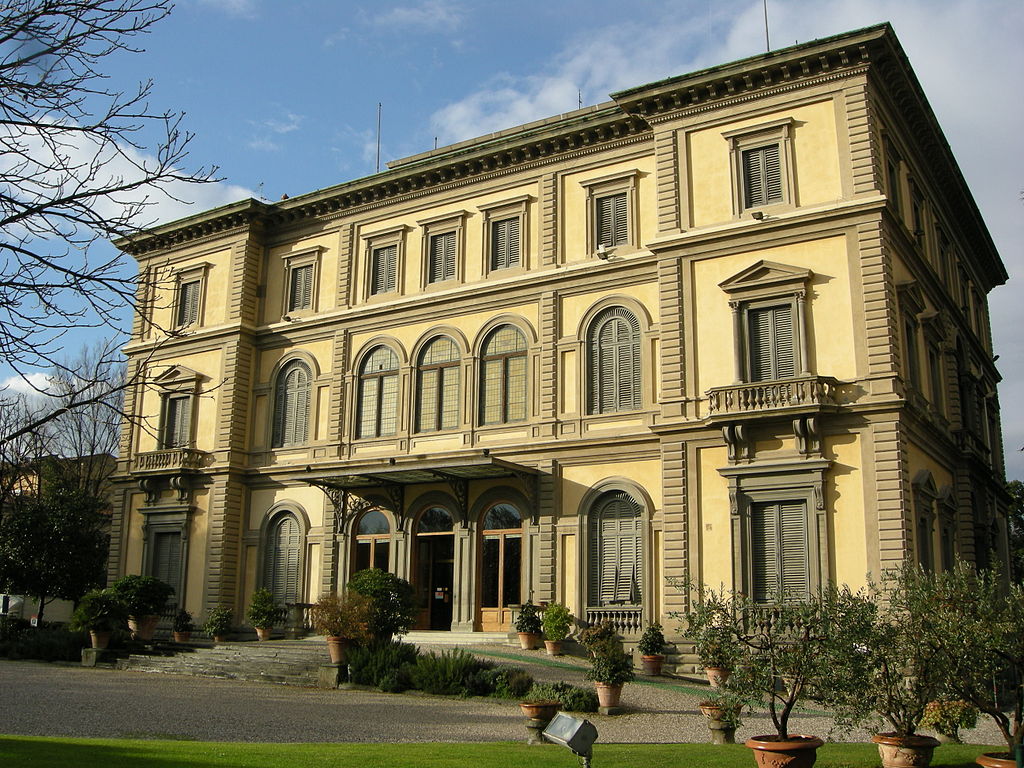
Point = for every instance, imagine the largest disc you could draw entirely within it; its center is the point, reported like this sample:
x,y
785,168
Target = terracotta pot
x,y
608,695
263,633
100,639
717,676
220,638
554,647
336,648
182,637
714,712
529,641
794,752
540,710
143,627
652,664
996,760
905,751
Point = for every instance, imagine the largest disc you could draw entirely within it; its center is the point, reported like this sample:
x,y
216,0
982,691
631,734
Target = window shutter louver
x,y
620,228
764,550
612,219
779,551
385,269
188,303
615,550
505,243
281,561
165,562
442,257
301,295
762,176
178,422
773,175
614,349
794,566
291,406
772,352
782,346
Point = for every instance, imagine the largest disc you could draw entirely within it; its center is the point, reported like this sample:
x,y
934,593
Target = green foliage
x,y
557,622
652,641
446,673
729,703
528,619
1015,525
218,622
394,602
53,545
183,621
947,717
610,664
51,643
143,595
510,682
573,698
597,634
264,611
372,664
345,616
709,623
101,610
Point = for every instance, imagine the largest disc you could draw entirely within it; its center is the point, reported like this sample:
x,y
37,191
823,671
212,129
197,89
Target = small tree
x,y
394,603
557,622
143,595
264,612
346,616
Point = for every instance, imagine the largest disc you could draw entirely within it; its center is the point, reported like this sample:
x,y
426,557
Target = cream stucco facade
x,y
730,325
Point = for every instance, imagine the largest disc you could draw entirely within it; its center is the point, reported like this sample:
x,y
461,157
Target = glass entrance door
x,y
435,569
501,556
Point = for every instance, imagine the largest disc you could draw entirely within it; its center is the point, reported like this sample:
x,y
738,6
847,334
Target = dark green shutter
x,y
614,352
772,354
505,243
615,550
301,294
762,176
612,219
188,303
281,560
291,406
177,422
165,559
780,562
442,257
384,269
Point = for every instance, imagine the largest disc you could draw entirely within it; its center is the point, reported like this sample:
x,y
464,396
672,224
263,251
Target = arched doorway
x,y
372,542
501,553
435,559
282,559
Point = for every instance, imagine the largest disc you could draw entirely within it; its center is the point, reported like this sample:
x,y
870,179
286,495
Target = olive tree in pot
x,y
528,625
218,624
99,613
610,669
722,709
710,626
343,619
651,645
146,597
557,623
264,612
975,623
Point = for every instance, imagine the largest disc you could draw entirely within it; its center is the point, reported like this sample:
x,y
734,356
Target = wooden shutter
x,y
442,257
301,294
772,352
762,176
793,545
385,269
614,351
281,560
615,551
165,560
188,303
505,243
612,219
780,562
177,422
291,406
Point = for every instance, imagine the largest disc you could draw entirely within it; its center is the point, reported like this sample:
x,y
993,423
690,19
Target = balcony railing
x,y
627,619
765,396
169,459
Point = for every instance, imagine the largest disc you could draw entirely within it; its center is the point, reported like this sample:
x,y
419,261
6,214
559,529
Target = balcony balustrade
x,y
806,393
170,459
627,619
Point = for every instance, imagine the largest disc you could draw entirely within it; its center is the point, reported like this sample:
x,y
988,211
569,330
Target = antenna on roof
x,y
767,42
435,142
378,137
579,98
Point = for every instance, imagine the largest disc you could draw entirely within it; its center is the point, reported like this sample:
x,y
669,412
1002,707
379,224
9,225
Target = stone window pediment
x,y
766,279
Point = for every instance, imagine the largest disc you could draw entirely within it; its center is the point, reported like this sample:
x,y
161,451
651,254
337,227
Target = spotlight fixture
x,y
757,215
602,252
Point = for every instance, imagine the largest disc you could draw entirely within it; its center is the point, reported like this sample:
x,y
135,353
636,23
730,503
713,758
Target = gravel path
x,y
69,700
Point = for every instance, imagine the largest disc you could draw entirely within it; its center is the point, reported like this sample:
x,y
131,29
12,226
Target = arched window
x,y
613,350
501,552
281,559
373,541
616,551
437,404
291,405
503,376
378,393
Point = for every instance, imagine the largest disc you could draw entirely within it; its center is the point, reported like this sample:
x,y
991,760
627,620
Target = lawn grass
x,y
37,752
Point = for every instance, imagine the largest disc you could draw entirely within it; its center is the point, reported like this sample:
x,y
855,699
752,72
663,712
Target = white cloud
x,y
30,384
966,53
429,15
233,7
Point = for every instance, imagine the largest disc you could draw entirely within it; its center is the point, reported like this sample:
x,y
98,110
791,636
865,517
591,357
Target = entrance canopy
x,y
386,480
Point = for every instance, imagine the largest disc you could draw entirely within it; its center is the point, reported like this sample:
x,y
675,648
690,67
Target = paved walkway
x,y
59,700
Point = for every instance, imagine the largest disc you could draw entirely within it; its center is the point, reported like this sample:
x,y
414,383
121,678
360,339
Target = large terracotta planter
x,y
652,664
608,695
337,648
794,752
263,633
143,627
996,760
553,647
529,641
717,676
540,710
220,638
182,637
100,639
905,751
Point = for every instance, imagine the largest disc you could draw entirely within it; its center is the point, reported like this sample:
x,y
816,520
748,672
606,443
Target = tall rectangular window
x,y
611,216
383,269
442,257
165,560
771,343
910,349
300,292
177,427
188,302
780,562
505,243
762,176
935,375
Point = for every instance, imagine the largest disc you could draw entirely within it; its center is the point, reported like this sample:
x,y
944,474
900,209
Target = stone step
x,y
427,637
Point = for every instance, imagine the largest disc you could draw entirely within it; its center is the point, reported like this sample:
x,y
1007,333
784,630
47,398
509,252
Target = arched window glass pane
x,y
615,550
503,377
378,394
440,350
437,404
502,517
613,348
434,520
373,523
380,360
291,405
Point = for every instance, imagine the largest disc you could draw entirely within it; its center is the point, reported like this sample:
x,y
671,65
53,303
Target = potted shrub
x,y
183,626
218,624
947,716
651,645
393,610
556,624
722,709
146,598
528,624
99,613
264,612
344,619
597,634
610,669
710,628
974,621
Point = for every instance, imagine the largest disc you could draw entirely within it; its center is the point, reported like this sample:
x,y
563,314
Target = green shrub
x,y
397,680
573,698
446,673
511,682
652,642
101,610
218,622
949,716
394,602
371,664
12,628
528,619
45,644
142,595
610,665
597,634
264,612
557,622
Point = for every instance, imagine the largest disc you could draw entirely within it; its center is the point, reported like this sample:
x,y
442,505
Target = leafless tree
x,y
81,163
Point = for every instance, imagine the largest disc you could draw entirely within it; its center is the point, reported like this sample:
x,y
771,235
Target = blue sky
x,y
282,96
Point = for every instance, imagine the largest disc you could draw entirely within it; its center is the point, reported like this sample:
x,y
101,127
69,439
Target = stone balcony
x,y
807,394
168,460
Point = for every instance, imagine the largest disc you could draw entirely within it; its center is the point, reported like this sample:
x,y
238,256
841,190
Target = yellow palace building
x,y
731,325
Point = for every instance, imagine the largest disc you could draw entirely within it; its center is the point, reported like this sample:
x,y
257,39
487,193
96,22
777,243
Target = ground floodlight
x,y
573,733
